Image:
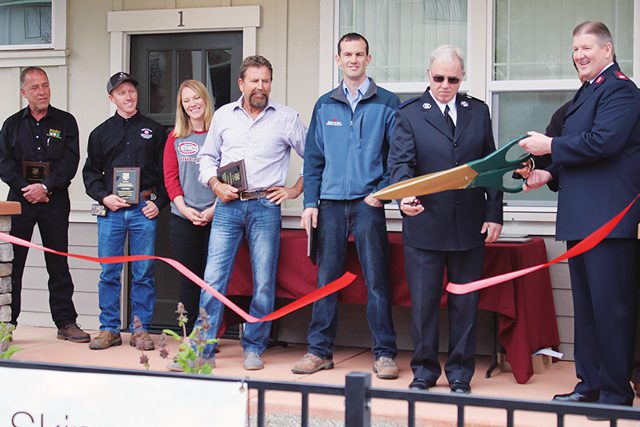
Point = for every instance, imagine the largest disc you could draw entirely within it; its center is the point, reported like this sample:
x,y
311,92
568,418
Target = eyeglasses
x,y
451,80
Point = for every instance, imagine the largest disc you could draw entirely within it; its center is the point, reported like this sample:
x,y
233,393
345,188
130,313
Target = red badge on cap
x,y
621,76
599,80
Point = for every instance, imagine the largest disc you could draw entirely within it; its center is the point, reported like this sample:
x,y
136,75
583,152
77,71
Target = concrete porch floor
x,y
41,345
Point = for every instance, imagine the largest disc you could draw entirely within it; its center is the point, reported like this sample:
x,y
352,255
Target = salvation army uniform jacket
x,y
422,144
597,158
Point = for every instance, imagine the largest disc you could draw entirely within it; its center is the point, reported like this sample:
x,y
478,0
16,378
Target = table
x,y
524,306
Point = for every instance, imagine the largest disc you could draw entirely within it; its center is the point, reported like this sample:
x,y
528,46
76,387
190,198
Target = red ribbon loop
x,y
588,243
341,283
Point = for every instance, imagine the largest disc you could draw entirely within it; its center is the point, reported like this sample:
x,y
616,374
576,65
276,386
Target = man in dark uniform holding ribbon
x,y
126,149
38,158
595,162
441,130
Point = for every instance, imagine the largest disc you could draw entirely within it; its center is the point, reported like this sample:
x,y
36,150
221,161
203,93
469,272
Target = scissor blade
x,y
451,179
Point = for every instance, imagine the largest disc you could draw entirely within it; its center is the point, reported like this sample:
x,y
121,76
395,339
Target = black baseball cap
x,y
117,79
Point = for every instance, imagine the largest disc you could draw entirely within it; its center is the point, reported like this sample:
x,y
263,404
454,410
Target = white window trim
x,y
54,54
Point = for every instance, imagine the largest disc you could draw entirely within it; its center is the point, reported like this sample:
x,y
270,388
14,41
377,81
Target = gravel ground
x,y
291,420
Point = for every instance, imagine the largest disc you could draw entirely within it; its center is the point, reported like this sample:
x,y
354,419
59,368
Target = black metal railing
x,y
358,393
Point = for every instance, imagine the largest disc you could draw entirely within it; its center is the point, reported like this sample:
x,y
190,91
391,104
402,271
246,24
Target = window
x,y
518,54
533,38
25,23
400,56
531,71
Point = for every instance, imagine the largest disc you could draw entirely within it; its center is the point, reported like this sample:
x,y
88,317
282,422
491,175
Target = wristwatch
x,y
46,190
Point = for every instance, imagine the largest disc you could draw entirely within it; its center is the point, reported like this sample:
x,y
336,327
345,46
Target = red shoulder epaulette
x,y
621,76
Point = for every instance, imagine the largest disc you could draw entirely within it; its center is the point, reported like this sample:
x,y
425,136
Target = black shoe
x,y
421,384
459,386
73,333
574,396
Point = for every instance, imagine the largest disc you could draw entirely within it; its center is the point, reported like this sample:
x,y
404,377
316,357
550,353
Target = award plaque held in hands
x,y
126,184
35,172
234,174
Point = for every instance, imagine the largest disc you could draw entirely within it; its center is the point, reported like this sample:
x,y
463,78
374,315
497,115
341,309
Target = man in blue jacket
x,y
595,161
345,162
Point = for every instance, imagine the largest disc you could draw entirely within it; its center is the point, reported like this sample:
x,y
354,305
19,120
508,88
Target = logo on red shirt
x,y
188,148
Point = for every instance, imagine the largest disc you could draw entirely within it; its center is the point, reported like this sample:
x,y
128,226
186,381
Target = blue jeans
x,y
336,220
112,231
260,221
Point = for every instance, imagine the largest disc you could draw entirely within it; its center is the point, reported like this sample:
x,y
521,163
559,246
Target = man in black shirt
x,y
38,158
126,140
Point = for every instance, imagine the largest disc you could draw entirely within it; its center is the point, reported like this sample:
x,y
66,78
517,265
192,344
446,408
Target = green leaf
x,y
10,352
172,334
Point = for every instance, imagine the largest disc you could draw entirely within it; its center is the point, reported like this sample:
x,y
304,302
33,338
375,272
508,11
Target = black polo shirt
x,y
119,142
53,139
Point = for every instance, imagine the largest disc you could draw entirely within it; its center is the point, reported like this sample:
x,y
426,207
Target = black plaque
x,y
35,172
126,184
234,174
312,242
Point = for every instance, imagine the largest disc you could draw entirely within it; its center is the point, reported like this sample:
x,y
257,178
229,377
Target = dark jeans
x,y
190,245
336,220
113,230
53,222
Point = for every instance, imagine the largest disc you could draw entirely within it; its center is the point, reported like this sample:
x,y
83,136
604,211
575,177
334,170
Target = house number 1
x,y
180,24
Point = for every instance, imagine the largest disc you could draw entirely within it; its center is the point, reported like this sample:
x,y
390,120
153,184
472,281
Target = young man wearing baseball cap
x,y
127,150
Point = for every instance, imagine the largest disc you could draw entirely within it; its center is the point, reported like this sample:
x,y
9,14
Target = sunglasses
x,y
451,80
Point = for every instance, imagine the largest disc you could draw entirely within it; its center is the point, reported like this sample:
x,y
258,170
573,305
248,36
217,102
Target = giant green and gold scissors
x,y
486,172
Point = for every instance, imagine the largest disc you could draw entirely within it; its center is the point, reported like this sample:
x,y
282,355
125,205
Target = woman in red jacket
x,y
192,204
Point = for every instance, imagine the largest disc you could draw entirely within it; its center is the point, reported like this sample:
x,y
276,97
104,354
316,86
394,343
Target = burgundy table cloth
x,y
525,307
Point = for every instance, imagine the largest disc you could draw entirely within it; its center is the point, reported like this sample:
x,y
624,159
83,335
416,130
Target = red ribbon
x,y
583,246
341,283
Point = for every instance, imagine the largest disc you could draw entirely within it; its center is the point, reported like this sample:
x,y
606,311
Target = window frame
x,y
496,87
43,55
396,87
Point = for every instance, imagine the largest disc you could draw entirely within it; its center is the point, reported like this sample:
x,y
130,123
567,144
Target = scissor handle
x,y
498,159
494,179
492,168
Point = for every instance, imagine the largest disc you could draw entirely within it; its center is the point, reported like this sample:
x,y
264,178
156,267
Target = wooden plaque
x,y
126,184
35,172
234,174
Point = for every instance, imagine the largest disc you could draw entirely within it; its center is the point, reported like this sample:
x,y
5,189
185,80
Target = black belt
x,y
252,195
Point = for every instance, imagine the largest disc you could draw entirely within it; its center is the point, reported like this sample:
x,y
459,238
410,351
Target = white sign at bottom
x,y
52,398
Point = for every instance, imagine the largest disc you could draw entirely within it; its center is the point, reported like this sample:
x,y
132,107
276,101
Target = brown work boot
x,y
311,363
142,341
73,333
385,368
105,339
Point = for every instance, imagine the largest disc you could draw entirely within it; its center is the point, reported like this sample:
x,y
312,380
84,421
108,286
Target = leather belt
x,y
252,195
148,194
